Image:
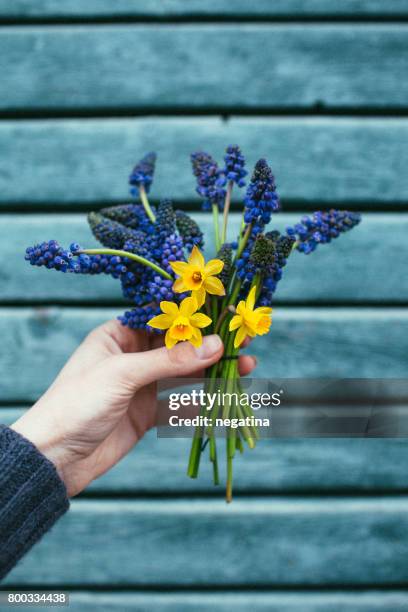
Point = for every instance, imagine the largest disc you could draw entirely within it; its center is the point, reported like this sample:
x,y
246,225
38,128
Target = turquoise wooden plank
x,y
351,269
314,159
269,601
179,8
209,66
158,466
255,542
316,342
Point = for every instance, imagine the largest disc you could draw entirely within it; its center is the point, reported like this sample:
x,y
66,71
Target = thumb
x,y
139,369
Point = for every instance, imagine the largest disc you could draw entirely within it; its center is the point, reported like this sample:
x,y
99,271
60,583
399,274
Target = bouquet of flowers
x,y
156,254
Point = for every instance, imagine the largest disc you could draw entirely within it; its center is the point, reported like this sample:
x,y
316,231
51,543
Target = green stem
x,y
247,434
234,293
220,320
207,305
223,332
243,241
210,429
226,211
247,411
231,388
146,205
257,282
229,375
229,480
132,256
231,434
216,226
214,311
195,452
216,476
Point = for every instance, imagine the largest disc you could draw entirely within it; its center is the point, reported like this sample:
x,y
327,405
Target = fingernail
x,y
210,346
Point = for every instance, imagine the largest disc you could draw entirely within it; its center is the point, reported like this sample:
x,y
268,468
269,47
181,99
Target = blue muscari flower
x,y
135,282
225,255
127,227
171,250
109,233
261,197
165,218
161,288
161,245
165,241
189,231
321,228
267,256
142,174
51,255
138,244
135,285
242,263
234,169
132,216
272,274
260,201
210,180
165,226
138,317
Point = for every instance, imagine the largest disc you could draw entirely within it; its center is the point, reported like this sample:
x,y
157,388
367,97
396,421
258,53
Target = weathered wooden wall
x,y
320,89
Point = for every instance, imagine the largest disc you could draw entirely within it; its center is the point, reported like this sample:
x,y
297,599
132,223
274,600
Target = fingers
x,y
108,339
246,342
139,369
246,364
113,337
157,340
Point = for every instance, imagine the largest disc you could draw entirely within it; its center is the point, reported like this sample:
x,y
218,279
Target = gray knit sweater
x,y
32,497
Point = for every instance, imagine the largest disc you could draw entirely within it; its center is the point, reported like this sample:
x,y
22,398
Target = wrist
x,y
44,436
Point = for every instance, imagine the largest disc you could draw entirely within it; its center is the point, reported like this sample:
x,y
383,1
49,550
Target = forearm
x,y
32,497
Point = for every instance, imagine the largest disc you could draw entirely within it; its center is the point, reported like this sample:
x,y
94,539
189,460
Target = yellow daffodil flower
x,y
250,321
198,277
182,322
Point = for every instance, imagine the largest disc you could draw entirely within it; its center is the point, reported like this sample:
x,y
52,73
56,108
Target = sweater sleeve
x,y
32,497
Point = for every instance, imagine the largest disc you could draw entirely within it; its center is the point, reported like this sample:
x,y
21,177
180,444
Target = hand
x,y
104,399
